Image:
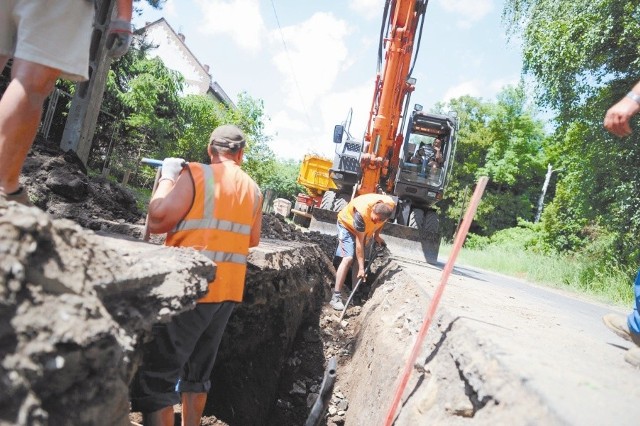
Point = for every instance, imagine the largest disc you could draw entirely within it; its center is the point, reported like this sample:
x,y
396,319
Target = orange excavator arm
x,y
392,89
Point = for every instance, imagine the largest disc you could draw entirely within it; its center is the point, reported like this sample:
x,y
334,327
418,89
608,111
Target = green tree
x,y
283,181
143,112
153,106
259,160
200,117
583,57
502,140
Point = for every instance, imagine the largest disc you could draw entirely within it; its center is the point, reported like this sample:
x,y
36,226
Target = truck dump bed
x,y
314,174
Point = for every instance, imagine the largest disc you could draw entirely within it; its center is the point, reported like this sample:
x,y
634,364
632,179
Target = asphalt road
x,y
554,340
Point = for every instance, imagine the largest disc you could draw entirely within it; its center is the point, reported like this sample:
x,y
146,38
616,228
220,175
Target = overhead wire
x,y
293,72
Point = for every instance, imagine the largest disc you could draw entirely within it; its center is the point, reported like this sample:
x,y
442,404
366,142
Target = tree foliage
x,y
584,56
147,115
501,140
152,106
283,181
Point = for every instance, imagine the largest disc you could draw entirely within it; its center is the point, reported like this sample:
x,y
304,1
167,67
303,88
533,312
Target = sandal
x,y
20,196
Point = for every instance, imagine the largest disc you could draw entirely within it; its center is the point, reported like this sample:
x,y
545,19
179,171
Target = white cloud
x,y
465,88
496,85
478,88
169,8
368,9
293,137
468,11
315,54
335,107
238,19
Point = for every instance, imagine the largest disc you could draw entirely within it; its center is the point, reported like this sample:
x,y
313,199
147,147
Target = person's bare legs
x,y
341,273
161,417
192,407
20,113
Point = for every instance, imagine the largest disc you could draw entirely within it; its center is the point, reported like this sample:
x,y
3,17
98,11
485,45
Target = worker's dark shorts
x,y
180,357
346,242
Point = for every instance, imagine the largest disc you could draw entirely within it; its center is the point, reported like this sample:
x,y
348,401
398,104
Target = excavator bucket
x,y
403,241
411,243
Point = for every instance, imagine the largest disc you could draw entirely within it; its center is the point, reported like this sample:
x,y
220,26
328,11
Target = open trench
x,y
454,381
76,307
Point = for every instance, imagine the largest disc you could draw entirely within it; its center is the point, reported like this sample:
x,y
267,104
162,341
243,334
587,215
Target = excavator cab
x,y
419,185
427,158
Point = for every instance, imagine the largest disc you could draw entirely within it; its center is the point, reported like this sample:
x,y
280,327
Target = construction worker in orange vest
x,y
362,218
216,209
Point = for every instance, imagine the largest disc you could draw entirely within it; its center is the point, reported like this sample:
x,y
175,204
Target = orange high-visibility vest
x,y
364,205
226,203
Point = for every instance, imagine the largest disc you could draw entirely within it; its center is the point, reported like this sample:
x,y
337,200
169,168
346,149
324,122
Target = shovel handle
x,y
146,234
156,163
151,162
372,256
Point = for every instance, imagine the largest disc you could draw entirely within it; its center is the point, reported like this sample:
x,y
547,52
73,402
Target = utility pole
x,y
545,185
85,106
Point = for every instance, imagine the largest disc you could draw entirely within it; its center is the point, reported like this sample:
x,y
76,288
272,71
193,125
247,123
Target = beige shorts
x,y
54,33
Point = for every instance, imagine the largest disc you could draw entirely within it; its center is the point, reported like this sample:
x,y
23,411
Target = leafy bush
x,y
476,242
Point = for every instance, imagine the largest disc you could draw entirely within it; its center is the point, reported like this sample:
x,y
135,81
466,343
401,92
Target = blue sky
x,y
329,62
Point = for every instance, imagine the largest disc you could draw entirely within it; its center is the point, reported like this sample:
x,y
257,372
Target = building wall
x,y
176,56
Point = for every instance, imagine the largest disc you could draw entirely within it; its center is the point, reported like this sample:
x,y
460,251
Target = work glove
x,y
119,38
171,168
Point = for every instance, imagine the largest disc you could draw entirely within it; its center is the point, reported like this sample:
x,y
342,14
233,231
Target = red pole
x,y
426,322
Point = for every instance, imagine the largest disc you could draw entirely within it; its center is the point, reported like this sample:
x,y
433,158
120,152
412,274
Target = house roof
x,y
214,88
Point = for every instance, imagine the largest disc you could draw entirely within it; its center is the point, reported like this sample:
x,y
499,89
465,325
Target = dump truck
x,y
314,177
382,162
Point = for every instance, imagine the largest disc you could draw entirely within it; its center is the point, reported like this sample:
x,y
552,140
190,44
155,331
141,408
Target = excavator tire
x,y
327,200
430,223
416,219
340,202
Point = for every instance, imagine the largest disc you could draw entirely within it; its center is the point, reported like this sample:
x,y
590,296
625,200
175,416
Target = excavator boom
x,y
392,156
391,91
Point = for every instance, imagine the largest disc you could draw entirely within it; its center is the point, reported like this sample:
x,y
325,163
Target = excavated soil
x,y
58,184
454,382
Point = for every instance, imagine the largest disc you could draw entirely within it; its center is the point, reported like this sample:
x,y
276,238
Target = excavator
x,y
383,161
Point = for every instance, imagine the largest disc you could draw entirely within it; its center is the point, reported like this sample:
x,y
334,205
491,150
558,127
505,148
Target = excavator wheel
x,y
327,200
431,224
340,202
416,218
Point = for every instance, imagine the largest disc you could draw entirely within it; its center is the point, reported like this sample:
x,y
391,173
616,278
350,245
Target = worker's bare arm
x,y
170,203
256,229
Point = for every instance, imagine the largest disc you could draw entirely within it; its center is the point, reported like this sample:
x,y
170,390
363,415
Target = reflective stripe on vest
x,y
221,256
221,225
209,194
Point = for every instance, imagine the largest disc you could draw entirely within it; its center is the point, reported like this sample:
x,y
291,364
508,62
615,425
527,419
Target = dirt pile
x,y
58,184
71,316
275,226
279,329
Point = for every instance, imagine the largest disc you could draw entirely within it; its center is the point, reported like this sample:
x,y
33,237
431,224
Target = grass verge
x,y
612,286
